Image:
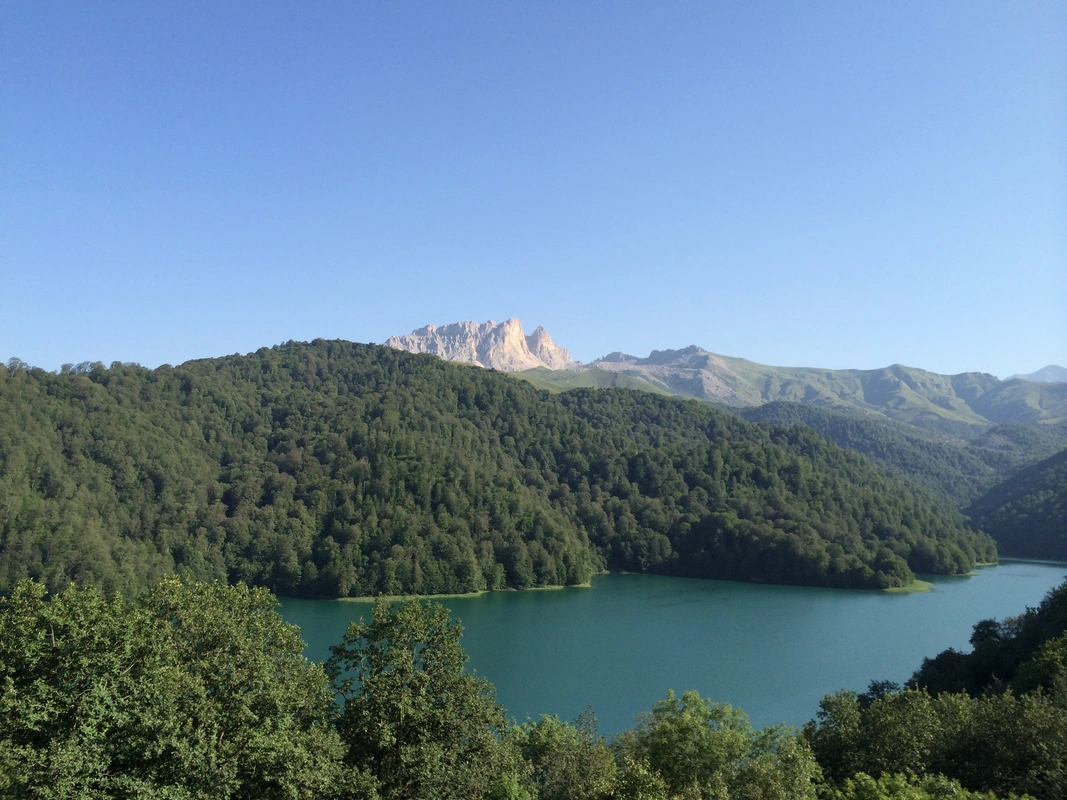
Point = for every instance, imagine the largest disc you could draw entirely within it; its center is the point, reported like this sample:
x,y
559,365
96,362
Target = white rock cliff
x,y
504,346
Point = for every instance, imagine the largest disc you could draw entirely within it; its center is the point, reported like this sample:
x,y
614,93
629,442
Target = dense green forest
x,y
196,691
1027,514
339,469
991,475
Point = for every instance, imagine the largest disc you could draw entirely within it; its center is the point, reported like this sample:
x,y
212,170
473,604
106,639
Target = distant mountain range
x,y
1049,374
946,403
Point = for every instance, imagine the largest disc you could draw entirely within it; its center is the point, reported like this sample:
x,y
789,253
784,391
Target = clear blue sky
x,y
823,184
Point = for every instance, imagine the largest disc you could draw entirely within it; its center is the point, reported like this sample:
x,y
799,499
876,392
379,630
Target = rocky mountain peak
x,y
553,356
504,346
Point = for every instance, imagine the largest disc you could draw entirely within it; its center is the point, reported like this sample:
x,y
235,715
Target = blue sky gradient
x,y
803,184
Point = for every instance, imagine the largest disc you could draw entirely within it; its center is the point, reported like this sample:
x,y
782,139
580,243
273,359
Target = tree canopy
x,y
195,691
412,717
994,719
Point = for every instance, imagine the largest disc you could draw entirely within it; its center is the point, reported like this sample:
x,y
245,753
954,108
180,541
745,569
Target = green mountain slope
x,y
961,469
1022,401
338,469
1027,514
945,403
562,380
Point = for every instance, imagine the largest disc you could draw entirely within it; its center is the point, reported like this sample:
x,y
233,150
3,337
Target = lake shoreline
x,y
396,598
916,586
773,651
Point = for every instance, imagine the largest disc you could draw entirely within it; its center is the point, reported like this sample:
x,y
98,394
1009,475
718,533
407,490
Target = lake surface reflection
x,y
773,651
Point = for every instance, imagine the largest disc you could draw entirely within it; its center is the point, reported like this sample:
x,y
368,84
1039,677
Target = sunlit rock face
x,y
495,345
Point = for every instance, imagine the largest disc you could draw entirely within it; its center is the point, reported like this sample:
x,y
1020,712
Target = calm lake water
x,y
772,651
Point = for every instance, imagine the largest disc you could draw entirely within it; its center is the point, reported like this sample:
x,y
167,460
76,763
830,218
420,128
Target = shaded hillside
x,y
1023,401
338,469
1027,514
1009,447
961,469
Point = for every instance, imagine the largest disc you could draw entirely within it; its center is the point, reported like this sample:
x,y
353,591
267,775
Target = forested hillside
x,y
960,468
336,469
1027,514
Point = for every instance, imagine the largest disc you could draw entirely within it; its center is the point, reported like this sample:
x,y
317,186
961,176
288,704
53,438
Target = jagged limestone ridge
x,y
504,346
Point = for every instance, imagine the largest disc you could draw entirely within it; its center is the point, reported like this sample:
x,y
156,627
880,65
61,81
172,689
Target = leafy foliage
x,y
194,692
901,787
704,749
199,691
412,718
999,743
995,719
569,761
335,469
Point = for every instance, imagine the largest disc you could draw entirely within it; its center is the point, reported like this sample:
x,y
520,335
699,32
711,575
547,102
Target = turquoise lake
x,y
772,651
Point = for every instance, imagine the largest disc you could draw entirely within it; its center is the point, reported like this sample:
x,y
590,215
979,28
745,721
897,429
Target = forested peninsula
x,y
336,469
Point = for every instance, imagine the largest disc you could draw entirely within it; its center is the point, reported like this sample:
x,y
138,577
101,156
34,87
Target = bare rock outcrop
x,y
553,356
504,346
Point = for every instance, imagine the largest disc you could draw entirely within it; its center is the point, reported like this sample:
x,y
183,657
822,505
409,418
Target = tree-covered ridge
x,y
779,504
961,468
1027,514
562,380
338,469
